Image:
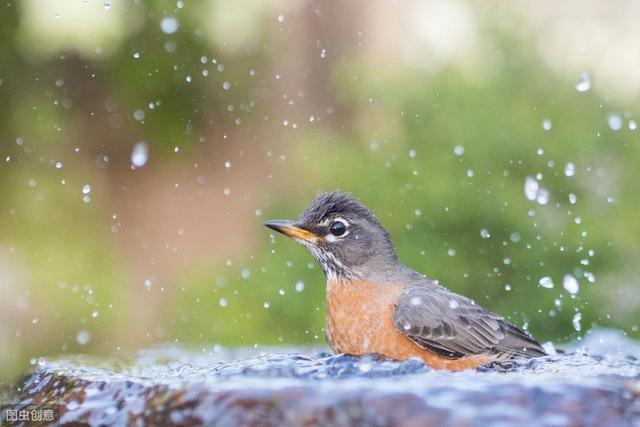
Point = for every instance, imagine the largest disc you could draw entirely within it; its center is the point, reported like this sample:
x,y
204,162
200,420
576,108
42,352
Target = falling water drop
x,y
531,188
576,321
570,284
569,169
169,25
139,154
614,121
138,115
83,337
584,83
543,196
546,282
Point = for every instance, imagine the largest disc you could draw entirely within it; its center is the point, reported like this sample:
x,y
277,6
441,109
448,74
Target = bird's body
x,y
375,304
360,321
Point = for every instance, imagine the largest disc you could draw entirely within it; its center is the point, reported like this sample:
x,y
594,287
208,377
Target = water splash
x,y
156,385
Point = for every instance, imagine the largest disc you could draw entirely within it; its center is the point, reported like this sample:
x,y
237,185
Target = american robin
x,y
376,304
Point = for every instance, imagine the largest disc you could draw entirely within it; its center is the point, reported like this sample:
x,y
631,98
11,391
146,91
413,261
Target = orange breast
x,y
359,322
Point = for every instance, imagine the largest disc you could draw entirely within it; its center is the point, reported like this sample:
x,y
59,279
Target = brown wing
x,y
454,326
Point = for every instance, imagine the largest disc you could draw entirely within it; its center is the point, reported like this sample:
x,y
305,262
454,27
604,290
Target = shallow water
x,y
598,383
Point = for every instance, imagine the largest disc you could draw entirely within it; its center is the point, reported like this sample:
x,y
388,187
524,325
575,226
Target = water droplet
x,y
170,46
453,304
227,164
226,85
570,169
86,189
323,53
614,120
136,55
139,154
106,5
572,198
266,305
458,150
299,286
484,233
95,314
148,284
546,124
543,196
576,321
59,165
546,282
415,301
83,337
570,284
169,25
138,115
451,252
245,273
584,83
531,188
633,125
281,291
227,191
222,302
412,153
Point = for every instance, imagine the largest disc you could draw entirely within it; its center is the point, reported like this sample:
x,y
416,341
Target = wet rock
x,y
173,386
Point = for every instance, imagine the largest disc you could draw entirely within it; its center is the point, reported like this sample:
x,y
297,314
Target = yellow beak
x,y
291,229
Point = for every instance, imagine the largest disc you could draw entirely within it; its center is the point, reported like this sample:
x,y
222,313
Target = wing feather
x,y
454,326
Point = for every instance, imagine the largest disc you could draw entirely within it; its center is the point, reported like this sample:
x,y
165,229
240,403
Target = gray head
x,y
344,236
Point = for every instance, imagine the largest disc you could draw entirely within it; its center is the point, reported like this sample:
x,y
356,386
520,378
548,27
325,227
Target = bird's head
x,y
344,236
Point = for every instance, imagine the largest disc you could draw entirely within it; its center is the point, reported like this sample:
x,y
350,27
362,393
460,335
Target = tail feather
x,y
518,344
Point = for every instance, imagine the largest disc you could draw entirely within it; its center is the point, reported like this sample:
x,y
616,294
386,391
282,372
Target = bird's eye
x,y
338,228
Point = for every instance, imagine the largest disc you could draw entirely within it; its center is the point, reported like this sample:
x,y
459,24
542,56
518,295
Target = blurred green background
x,y
144,142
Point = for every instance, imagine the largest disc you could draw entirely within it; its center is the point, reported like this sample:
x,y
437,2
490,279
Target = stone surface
x,y
174,386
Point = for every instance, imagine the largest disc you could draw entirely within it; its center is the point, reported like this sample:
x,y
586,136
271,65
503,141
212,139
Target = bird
x,y
377,305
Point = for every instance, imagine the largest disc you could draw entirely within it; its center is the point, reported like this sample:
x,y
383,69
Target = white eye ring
x,y
342,229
